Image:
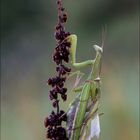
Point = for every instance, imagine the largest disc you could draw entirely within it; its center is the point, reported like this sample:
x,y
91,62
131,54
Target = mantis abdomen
x,y
80,112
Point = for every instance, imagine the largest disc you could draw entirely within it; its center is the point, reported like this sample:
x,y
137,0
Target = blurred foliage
x,y
27,43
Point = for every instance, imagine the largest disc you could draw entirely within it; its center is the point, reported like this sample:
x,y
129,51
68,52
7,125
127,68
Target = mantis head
x,y
98,48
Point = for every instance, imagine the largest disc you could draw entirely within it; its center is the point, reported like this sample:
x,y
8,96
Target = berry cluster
x,y
61,54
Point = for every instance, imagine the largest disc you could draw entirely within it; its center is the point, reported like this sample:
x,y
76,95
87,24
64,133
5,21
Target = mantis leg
x,y
75,73
78,78
78,89
73,40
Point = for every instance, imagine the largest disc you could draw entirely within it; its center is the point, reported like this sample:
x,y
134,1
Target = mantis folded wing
x,y
84,109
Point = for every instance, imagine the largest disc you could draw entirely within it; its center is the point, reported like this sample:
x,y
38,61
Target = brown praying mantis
x,y
83,116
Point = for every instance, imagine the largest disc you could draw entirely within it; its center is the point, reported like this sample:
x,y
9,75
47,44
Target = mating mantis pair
x,y
83,117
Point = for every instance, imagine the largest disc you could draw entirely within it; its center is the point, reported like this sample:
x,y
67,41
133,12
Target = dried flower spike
x,y
53,122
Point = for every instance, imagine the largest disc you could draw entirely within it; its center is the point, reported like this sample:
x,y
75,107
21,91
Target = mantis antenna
x,y
104,32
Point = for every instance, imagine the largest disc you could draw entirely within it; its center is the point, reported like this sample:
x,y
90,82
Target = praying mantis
x,y
82,115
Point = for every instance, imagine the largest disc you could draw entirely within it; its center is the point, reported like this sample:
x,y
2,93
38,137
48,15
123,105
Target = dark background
x,y
27,42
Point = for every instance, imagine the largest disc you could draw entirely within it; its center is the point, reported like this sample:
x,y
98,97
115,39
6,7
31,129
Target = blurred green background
x,y
27,44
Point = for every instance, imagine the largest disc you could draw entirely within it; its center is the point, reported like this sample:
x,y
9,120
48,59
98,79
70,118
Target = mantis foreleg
x,y
73,40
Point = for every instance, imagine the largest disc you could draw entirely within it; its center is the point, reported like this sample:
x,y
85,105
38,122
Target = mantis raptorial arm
x,y
73,40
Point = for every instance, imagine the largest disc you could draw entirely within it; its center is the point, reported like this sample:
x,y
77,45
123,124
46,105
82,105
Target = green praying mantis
x,y
83,116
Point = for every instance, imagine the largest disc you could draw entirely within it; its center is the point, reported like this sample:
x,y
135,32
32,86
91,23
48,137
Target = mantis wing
x,y
95,127
91,126
71,115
